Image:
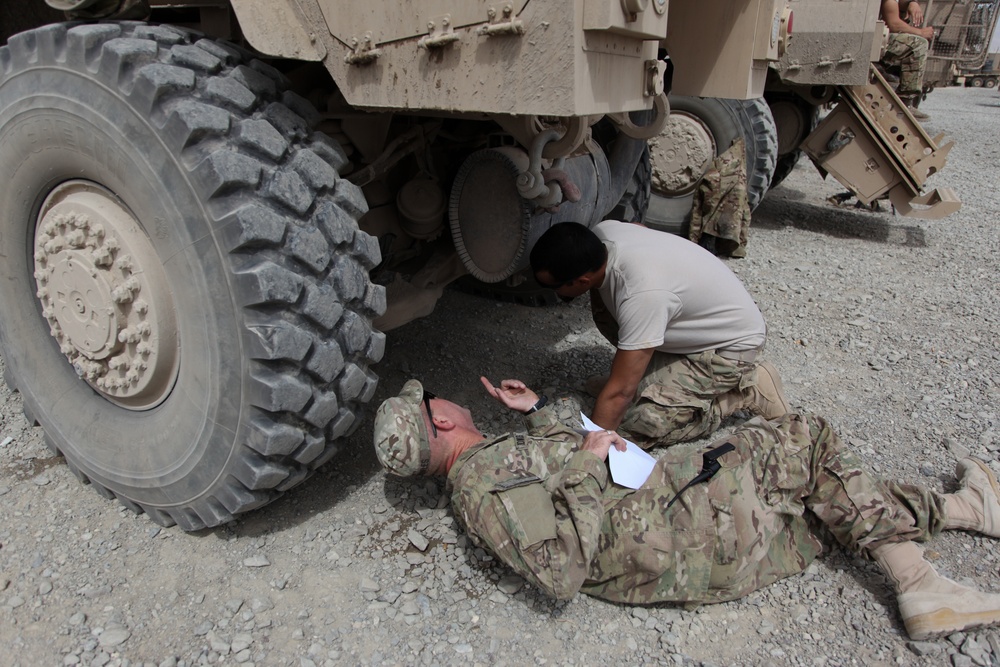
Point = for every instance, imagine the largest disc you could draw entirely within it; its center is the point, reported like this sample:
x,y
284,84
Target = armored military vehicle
x,y
959,53
870,142
213,210
986,75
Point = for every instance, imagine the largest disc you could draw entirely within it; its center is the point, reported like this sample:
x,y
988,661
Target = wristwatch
x,y
538,405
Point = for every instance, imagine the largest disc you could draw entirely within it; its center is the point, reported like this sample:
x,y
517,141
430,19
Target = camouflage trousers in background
x,y
909,53
782,477
720,216
677,399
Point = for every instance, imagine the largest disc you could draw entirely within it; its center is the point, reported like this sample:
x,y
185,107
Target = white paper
x,y
630,468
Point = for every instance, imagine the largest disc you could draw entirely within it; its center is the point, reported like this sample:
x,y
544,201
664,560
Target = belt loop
x,y
520,444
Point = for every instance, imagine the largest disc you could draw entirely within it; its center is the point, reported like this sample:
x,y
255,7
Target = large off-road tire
x,y
185,294
635,202
701,129
795,119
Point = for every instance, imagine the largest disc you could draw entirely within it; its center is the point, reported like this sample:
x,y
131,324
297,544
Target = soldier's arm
x,y
627,369
895,23
914,14
547,532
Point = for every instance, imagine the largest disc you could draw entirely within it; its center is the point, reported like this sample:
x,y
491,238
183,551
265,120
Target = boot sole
x,y
946,621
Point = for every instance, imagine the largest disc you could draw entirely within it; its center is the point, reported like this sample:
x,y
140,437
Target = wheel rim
x,y
681,154
104,293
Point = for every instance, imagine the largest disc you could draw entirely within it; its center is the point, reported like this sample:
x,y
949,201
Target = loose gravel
x,y
888,326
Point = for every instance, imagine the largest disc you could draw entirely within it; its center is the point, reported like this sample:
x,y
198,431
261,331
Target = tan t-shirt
x,y
669,293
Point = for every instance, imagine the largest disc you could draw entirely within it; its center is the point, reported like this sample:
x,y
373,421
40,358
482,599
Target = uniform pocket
x,y
532,514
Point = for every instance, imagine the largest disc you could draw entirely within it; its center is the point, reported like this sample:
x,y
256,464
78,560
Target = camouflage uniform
x,y
909,53
676,400
721,209
550,512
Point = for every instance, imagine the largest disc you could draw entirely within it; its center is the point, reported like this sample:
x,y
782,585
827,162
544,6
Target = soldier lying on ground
x,y
543,503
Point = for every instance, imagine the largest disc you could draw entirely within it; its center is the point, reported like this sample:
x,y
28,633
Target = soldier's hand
x,y
600,443
512,393
927,33
915,14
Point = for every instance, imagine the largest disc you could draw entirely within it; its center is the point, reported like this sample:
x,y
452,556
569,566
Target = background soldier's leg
x,y
911,51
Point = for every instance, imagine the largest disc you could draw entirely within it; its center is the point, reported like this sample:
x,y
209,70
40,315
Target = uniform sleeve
x,y
576,497
549,531
548,423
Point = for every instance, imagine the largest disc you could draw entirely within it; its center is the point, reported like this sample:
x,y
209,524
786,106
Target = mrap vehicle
x,y
214,210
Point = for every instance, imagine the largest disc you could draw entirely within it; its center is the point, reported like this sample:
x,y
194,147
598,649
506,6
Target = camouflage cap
x,y
401,441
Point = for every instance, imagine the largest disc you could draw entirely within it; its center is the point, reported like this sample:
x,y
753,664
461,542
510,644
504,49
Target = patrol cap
x,y
401,441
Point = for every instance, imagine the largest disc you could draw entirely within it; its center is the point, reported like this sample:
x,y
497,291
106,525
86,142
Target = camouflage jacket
x,y
550,512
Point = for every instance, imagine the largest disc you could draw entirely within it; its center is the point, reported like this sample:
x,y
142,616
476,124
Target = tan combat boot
x,y
911,103
976,506
932,605
766,398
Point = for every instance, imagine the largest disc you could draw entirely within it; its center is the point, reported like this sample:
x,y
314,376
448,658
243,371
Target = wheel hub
x,y
681,154
792,124
105,296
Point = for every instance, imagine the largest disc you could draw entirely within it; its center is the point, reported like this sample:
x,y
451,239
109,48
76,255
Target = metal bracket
x,y
501,23
661,107
363,51
439,33
840,138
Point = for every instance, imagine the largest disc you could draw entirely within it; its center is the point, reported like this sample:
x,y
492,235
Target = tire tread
x,y
298,262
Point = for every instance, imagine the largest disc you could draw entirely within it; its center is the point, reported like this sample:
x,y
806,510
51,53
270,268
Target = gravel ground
x,y
888,326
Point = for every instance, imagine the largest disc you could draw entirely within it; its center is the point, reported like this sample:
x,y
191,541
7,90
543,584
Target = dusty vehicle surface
x,y
214,210
872,145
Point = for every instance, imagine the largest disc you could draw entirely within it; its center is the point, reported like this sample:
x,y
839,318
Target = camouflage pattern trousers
x,y
782,477
909,53
677,398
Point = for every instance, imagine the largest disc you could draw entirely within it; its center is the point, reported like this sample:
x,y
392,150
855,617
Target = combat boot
x,y
976,506
766,398
889,77
911,103
932,605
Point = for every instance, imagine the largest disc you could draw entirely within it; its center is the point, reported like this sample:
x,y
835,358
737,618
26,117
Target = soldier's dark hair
x,y
568,250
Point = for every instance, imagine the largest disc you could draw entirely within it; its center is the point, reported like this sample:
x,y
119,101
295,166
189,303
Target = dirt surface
x,y
887,326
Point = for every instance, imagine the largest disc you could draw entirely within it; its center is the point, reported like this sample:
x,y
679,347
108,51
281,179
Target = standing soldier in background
x,y
907,49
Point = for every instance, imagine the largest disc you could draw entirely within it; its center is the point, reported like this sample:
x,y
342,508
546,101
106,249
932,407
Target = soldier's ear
x,y
587,280
443,423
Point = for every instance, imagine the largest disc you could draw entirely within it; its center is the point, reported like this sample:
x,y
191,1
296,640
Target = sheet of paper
x,y
630,468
